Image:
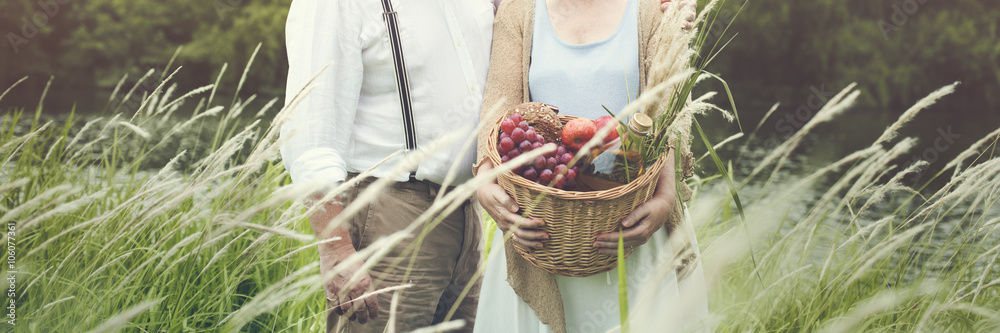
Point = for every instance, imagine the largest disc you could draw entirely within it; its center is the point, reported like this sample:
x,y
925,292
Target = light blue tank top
x,y
580,78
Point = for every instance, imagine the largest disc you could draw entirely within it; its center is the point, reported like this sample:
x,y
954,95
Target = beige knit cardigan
x,y
507,86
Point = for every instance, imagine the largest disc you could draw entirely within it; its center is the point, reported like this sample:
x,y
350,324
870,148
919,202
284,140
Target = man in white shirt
x,y
353,119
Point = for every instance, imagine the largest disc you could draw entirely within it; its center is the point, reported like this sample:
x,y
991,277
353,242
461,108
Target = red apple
x,y
577,132
604,121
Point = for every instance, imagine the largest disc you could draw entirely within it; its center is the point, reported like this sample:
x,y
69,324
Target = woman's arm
x,y
504,89
504,85
665,208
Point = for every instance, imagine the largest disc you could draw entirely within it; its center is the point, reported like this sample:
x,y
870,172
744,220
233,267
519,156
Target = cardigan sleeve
x,y
504,83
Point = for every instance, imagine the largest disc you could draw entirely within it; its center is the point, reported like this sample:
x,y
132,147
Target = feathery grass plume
x,y
991,314
442,327
880,163
214,164
45,93
836,105
120,320
128,95
114,93
20,141
179,100
163,99
812,178
893,129
878,192
79,134
138,131
195,252
150,100
237,109
224,250
979,290
108,264
169,167
4,94
849,180
46,306
13,184
39,277
34,202
208,113
390,326
274,230
731,138
777,283
176,248
972,151
267,107
272,297
883,249
869,232
64,208
959,187
883,301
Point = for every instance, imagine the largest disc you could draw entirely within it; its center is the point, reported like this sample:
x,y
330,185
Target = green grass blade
x,y
622,285
732,188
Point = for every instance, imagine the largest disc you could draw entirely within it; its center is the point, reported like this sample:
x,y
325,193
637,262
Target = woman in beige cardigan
x,y
572,53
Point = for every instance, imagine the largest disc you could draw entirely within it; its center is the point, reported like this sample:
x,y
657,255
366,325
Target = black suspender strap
x,y
402,80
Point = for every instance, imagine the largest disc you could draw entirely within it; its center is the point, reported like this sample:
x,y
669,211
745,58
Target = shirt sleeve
x,y
324,54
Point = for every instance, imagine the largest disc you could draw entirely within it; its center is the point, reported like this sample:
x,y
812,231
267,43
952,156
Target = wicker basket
x,y
573,219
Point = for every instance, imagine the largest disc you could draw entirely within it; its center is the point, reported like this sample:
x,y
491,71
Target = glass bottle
x,y
620,161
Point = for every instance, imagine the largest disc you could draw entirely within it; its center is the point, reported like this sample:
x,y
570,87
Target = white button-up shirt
x,y
352,119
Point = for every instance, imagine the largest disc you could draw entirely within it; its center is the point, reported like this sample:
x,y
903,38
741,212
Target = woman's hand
x,y
638,226
647,218
690,7
503,209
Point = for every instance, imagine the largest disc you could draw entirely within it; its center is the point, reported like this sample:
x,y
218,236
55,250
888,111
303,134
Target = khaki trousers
x,y
447,260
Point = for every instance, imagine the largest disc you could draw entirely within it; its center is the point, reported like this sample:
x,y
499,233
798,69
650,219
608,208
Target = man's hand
x,y
339,290
346,297
690,8
503,209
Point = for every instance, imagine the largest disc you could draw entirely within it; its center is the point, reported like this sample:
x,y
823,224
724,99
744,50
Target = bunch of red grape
x,y
517,137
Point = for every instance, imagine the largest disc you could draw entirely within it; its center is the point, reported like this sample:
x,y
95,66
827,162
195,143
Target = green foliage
x,y
790,46
88,45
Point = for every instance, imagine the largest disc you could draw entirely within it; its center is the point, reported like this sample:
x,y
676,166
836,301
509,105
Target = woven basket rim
x,y
611,193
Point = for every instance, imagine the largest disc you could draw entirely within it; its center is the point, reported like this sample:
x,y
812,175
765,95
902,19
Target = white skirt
x,y
658,302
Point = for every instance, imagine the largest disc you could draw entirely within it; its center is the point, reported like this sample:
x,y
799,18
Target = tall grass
x,y
141,221
864,252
